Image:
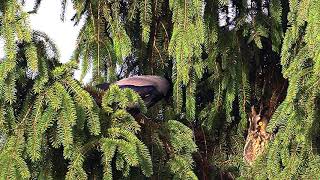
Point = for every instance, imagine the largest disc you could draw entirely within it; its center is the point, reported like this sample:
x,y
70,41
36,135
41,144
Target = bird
x,y
257,138
151,88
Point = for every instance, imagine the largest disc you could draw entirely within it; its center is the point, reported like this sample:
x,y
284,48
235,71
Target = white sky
x,y
1,49
47,20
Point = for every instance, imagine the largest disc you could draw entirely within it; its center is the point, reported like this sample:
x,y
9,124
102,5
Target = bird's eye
x,y
260,123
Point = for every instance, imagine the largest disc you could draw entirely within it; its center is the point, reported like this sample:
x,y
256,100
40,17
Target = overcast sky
x,y
47,20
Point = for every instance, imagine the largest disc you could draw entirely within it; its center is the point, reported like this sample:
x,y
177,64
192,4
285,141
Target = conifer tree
x,y
221,56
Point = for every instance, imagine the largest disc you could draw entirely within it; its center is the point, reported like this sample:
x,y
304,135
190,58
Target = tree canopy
x,y
222,57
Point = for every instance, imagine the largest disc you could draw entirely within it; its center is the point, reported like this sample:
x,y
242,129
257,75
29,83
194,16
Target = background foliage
x,y
221,56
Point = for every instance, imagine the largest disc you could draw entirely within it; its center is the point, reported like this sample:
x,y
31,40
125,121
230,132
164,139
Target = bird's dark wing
x,y
149,94
104,86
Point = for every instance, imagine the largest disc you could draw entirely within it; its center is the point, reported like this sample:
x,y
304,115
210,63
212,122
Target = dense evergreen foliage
x,y
221,56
